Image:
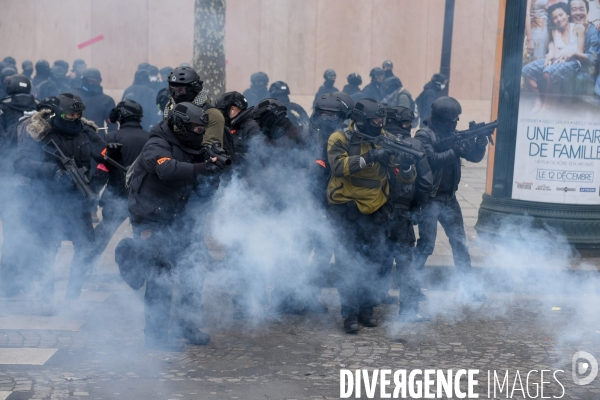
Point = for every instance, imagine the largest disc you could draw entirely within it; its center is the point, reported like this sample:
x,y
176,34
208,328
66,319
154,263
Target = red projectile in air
x,y
90,42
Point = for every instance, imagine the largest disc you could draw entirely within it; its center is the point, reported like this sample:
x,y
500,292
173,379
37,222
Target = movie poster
x,y
557,157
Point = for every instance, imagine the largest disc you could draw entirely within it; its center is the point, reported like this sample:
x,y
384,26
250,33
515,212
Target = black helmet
x,y
42,67
57,72
397,115
162,98
18,84
329,74
365,112
354,79
78,62
332,105
10,61
27,64
438,78
126,109
229,99
390,85
49,103
446,109
92,73
184,77
347,102
188,121
7,72
259,79
68,102
153,70
279,88
375,72
141,77
143,66
387,64
63,64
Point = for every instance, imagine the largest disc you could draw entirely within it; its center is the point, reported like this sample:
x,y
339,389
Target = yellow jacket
x,y
367,186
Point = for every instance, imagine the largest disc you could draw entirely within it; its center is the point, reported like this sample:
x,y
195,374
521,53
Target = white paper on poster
x,y
557,161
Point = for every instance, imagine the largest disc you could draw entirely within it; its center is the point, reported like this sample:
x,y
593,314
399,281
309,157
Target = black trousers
x,y
446,210
173,256
401,242
360,254
49,219
16,239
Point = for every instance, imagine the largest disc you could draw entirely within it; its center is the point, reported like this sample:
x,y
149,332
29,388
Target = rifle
x,y
475,130
396,144
215,150
78,175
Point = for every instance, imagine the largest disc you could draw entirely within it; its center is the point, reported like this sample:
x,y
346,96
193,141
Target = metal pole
x,y
447,42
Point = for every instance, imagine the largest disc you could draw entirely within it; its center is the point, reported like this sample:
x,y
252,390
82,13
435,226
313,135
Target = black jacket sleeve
x,y
96,143
29,162
424,182
157,158
436,160
476,154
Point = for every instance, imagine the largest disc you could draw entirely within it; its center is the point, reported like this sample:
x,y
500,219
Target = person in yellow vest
x,y
357,194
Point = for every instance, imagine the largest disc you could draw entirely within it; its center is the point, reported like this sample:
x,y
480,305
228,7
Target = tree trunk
x,y
209,45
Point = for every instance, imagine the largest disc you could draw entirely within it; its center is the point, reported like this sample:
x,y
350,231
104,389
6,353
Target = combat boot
x,y
366,317
410,313
351,324
196,337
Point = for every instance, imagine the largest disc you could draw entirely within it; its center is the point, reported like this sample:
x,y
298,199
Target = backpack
x,y
403,91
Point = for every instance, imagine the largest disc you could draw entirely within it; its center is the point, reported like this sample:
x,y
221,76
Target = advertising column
x,y
546,162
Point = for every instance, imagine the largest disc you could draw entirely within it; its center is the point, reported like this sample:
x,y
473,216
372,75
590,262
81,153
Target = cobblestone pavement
x,y
93,348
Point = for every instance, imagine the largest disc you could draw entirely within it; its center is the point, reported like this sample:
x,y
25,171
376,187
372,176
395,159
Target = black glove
x,y
406,161
113,150
378,155
458,149
208,168
481,141
62,177
271,120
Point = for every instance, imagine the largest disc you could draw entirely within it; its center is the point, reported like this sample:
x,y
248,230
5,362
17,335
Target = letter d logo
x,y
581,367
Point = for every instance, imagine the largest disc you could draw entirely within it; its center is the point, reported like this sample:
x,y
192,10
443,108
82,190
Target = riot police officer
x,y
171,168
281,91
327,87
18,101
185,86
354,81
12,108
405,199
99,104
56,209
258,89
373,89
123,146
444,155
357,195
238,118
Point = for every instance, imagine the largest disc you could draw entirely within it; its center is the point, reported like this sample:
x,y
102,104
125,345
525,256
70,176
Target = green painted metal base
x,y
579,223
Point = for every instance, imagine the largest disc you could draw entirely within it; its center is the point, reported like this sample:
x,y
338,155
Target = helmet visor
x,y
196,129
328,115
